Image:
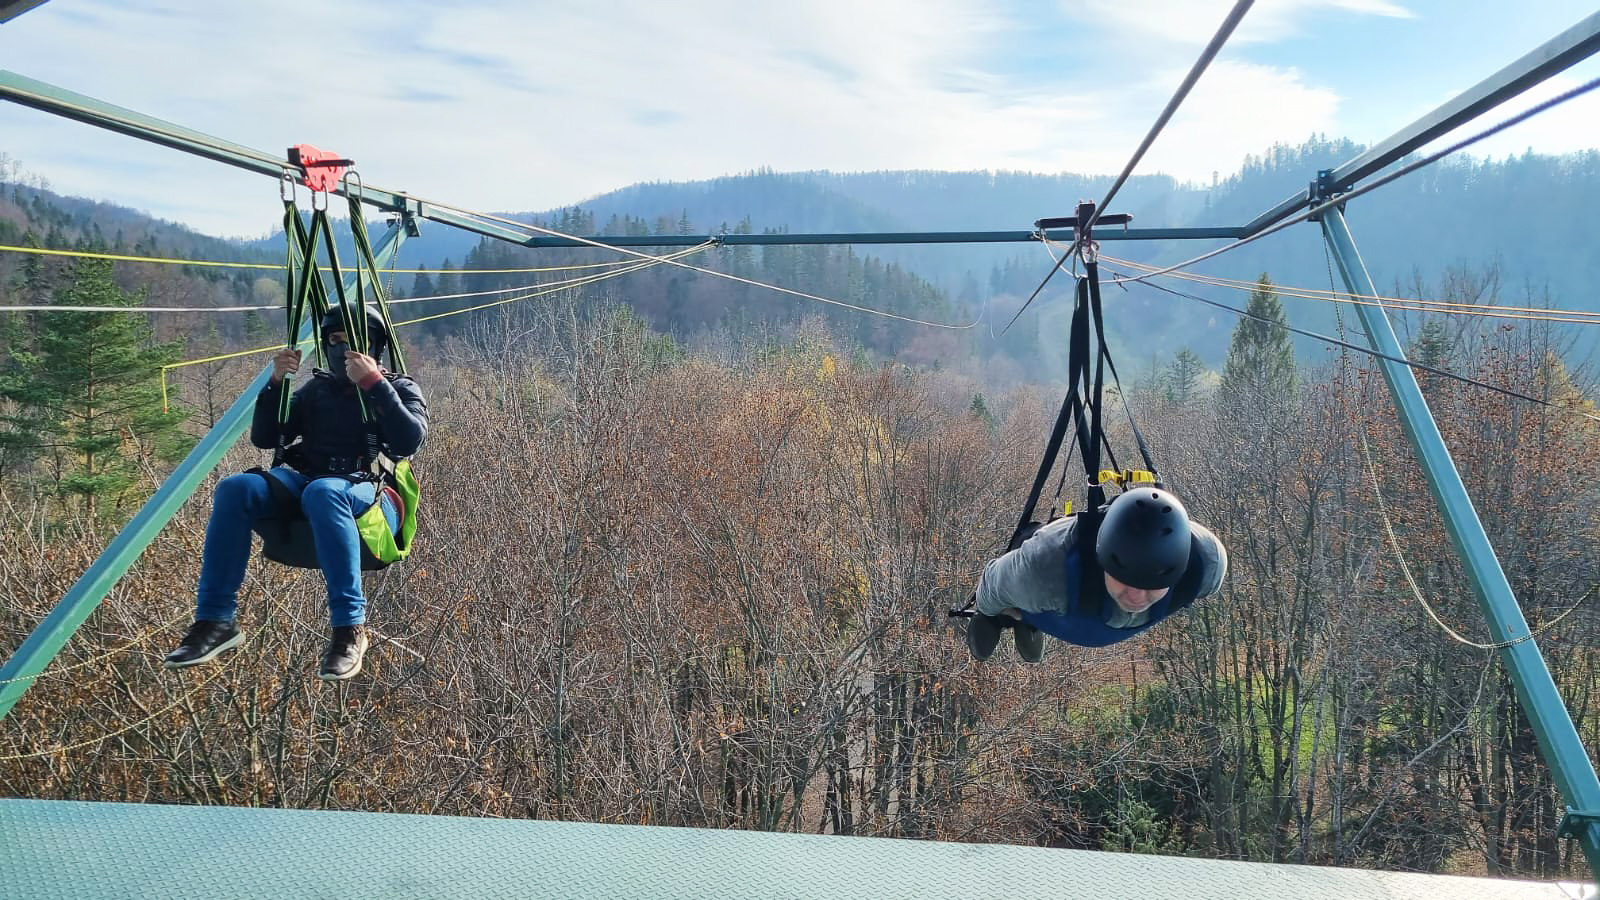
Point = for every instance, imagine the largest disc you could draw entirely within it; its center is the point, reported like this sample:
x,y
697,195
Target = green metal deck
x,y
56,849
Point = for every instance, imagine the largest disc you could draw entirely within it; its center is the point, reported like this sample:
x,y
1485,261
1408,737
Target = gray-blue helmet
x,y
1144,539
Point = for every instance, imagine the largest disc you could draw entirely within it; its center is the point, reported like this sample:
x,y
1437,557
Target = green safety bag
x,y
391,546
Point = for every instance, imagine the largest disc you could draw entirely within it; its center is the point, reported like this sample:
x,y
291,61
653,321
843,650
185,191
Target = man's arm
x,y
401,411
1032,577
1213,555
264,426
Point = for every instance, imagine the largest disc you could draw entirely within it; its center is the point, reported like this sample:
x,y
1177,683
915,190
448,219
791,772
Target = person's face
x,y
1132,599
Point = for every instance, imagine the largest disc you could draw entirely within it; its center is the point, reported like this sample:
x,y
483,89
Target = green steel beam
x,y
40,647
1560,52
78,107
1064,235
10,9
1541,701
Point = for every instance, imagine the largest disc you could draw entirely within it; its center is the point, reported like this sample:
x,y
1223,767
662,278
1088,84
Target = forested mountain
x,y
1518,225
1522,217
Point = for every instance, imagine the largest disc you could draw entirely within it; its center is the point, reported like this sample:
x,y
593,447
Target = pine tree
x,y
1260,365
423,286
980,411
87,402
1180,383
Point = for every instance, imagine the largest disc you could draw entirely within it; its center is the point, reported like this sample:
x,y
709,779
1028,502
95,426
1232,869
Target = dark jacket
x,y
325,416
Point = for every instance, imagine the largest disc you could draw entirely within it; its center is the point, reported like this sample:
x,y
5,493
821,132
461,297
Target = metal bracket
x,y
408,216
1323,189
1573,821
1081,228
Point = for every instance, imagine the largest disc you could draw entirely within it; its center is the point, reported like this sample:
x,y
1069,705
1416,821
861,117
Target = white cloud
x,y
1237,109
1193,22
507,105
1569,127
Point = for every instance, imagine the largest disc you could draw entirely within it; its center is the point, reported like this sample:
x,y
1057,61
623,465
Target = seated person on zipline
x,y
328,470
1148,561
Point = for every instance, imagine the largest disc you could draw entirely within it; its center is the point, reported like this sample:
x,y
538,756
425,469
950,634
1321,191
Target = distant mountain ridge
x,y
1532,216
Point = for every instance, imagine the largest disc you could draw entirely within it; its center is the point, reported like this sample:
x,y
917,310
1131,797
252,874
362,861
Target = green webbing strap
x,y
355,321
363,242
304,280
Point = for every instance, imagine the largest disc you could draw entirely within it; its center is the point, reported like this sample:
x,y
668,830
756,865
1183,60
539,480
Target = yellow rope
x,y
221,670
57,670
1416,591
1409,303
557,288
144,259
552,287
121,731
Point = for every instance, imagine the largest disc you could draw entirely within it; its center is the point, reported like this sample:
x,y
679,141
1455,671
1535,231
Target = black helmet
x,y
1144,539
377,334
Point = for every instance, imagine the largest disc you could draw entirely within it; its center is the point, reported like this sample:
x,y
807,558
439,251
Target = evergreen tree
x,y
980,411
1434,345
1180,383
1260,365
87,403
423,286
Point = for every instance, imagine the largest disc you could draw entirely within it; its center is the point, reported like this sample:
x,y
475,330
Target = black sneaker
x,y
1030,642
345,650
202,642
983,633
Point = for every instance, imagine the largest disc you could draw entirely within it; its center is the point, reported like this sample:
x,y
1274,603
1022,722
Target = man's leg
x,y
239,501
1030,642
331,506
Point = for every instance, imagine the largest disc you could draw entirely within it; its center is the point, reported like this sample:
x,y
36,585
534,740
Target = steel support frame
x,y
78,107
10,9
48,637
1541,701
1560,52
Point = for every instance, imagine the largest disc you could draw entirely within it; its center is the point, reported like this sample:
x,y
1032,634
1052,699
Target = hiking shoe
x,y
345,649
983,633
1030,642
202,642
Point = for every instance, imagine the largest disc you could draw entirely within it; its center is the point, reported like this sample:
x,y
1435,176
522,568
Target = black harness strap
x,y
1081,409
1071,413
1105,356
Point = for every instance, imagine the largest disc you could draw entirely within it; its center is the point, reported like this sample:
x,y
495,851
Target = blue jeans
x,y
331,505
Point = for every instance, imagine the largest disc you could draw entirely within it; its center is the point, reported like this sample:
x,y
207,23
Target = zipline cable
x,y
550,232
1224,31
1366,350
278,267
1317,208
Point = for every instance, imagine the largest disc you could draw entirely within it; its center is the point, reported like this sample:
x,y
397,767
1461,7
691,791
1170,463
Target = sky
x,y
515,105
